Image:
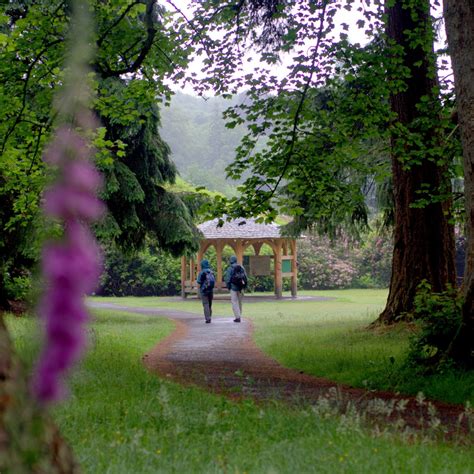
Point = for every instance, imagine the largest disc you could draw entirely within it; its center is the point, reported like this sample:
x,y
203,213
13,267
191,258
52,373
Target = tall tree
x,y
459,16
423,234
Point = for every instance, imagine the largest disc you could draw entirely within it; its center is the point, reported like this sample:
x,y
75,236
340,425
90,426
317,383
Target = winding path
x,y
223,358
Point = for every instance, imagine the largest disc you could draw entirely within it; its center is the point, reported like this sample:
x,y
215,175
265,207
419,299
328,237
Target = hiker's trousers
x,y
236,299
207,305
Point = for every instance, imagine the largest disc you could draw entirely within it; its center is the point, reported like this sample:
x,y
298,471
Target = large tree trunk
x,y
459,16
423,237
29,441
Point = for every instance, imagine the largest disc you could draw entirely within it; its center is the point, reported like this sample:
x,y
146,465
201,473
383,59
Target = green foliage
x,y
316,138
150,272
195,198
18,287
135,50
182,186
373,260
262,283
439,316
29,72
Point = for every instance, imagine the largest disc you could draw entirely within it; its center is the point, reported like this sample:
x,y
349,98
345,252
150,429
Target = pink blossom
x,y
83,176
67,143
69,202
71,267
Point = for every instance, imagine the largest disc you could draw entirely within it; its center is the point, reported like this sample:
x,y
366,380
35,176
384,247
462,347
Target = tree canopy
x,y
135,51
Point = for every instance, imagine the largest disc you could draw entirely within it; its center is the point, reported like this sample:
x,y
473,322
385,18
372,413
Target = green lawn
x,y
331,339
121,419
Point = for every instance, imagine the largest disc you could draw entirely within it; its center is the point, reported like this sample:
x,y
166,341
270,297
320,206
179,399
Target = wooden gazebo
x,y
240,234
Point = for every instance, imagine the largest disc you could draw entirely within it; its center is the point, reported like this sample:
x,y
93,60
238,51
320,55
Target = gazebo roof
x,y
239,229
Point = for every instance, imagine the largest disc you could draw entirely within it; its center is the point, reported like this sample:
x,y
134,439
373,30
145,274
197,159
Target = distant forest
x,y
201,145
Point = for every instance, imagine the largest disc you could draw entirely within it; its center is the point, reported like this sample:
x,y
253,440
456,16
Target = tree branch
x,y
116,22
147,44
290,152
25,92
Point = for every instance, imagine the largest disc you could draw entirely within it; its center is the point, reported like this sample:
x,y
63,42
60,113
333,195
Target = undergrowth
x,y
439,317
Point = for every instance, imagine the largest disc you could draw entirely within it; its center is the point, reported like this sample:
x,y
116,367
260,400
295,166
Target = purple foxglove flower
x,y
71,267
66,144
69,202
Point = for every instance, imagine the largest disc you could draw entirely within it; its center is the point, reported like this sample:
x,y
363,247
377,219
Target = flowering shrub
x,y
324,265
373,260
321,266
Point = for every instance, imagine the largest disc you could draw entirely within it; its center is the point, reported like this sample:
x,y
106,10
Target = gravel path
x,y
223,358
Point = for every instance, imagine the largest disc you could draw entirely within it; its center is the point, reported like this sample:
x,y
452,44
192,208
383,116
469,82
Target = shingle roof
x,y
239,229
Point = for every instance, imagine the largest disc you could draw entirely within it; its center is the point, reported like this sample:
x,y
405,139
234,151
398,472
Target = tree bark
x,y
29,440
459,16
423,237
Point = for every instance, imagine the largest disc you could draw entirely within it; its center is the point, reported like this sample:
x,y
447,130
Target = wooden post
x,y
195,266
257,246
200,256
239,252
294,269
278,277
219,264
183,276
191,270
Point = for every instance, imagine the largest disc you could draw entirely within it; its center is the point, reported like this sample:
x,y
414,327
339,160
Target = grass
x,y
121,419
330,339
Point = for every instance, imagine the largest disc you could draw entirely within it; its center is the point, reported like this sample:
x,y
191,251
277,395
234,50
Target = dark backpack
x,y
238,277
208,282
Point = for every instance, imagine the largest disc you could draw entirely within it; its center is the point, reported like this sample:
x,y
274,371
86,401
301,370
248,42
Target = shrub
x,y
439,317
148,273
260,283
373,261
18,288
322,266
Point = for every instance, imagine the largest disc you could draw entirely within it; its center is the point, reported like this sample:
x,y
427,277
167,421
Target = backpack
x,y
238,277
208,282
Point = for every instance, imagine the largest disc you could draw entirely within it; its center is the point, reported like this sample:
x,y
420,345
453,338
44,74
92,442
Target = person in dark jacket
x,y
235,288
206,280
